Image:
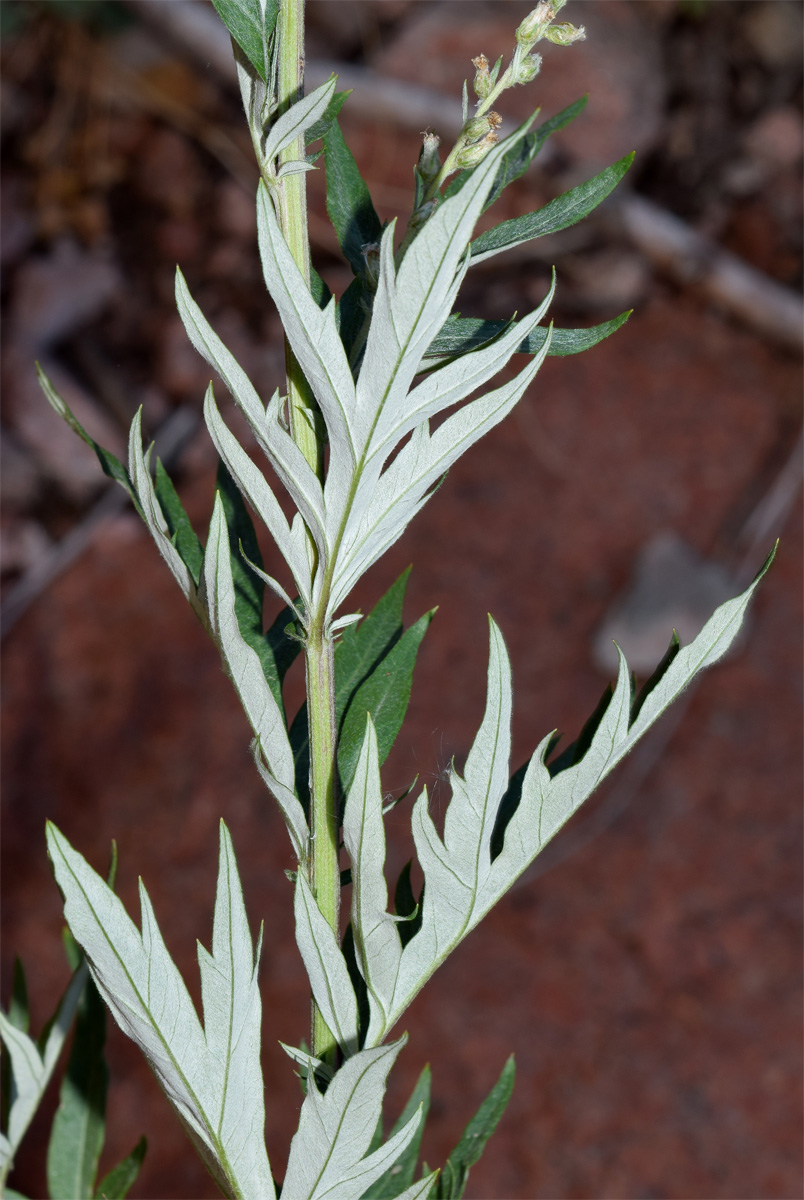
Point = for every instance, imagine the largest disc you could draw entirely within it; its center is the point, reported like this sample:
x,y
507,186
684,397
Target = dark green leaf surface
x,y
184,537
243,19
77,1135
406,905
460,334
520,156
452,1181
116,1184
348,200
560,213
18,1009
386,695
320,127
400,1175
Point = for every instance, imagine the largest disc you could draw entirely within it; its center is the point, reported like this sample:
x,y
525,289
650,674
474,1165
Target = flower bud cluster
x,y
538,24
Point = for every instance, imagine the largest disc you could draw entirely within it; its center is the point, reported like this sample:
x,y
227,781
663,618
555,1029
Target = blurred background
x,y
647,973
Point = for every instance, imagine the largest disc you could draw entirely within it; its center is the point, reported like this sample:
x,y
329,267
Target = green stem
x,y
292,196
324,864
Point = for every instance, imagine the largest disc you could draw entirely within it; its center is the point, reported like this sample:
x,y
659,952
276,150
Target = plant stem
x,y
303,414
323,864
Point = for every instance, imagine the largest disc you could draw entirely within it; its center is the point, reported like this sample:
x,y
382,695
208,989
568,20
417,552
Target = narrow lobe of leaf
x,y
577,749
656,677
184,537
406,905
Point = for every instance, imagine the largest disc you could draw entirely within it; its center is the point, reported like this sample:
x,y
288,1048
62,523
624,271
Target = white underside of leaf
x,y
210,1075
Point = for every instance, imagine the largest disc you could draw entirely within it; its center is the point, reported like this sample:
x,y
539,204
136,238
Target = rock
x,y
672,588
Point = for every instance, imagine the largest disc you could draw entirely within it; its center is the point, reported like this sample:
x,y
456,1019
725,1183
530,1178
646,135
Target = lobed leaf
x,y
493,830
210,1076
560,213
328,1154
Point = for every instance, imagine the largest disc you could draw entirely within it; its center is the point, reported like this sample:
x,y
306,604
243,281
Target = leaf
x,y
32,1065
560,213
326,968
378,948
406,485
210,1075
336,1129
452,1181
494,829
461,334
547,802
303,113
79,1126
320,127
251,23
253,485
152,514
400,1174
110,463
275,442
520,156
116,1185
182,534
265,714
249,590
384,695
349,203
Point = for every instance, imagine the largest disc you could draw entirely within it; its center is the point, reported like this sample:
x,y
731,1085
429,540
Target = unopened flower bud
x,y
535,23
528,69
470,156
429,160
483,81
475,128
565,34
